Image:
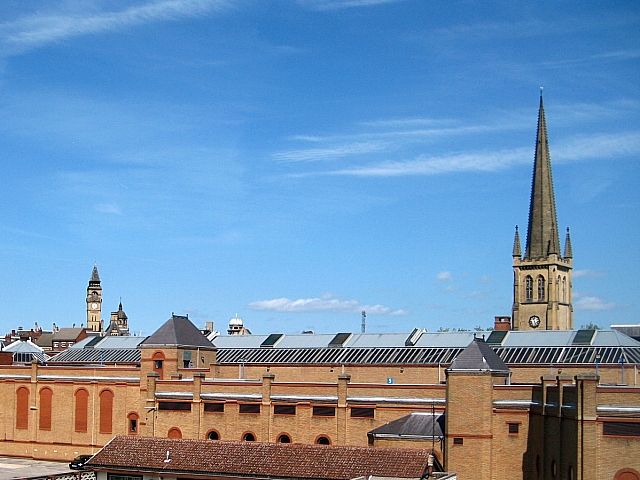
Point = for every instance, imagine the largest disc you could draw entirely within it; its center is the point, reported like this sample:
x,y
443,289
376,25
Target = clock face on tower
x,y
94,306
534,321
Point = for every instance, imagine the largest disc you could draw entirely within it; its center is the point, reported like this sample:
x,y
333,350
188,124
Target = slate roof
x,y
414,425
253,459
479,356
67,334
97,355
178,331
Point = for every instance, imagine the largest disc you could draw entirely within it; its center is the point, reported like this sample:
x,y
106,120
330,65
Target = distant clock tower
x,y
94,302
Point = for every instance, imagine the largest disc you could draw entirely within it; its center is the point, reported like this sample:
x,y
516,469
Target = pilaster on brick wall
x,y
586,405
341,411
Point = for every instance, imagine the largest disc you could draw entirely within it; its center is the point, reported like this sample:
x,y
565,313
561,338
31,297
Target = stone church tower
x,y
542,281
94,302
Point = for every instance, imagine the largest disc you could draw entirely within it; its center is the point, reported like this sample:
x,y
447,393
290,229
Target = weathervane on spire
x,y
541,89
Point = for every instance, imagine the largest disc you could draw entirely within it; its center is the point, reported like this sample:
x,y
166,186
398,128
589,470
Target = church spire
x,y
568,251
542,232
516,244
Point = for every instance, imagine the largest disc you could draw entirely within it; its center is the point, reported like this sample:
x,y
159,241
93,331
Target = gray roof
x,y
414,425
67,334
479,356
97,356
180,332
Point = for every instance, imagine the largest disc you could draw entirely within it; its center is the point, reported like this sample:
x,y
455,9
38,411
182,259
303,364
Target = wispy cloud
x,y
326,303
593,303
342,4
574,149
586,273
109,208
339,151
444,276
330,147
42,28
426,165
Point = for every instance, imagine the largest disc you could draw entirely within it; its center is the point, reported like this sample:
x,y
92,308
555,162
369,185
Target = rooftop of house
x,y
253,459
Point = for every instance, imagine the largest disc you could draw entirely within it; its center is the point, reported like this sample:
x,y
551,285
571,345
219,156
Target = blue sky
x,y
296,162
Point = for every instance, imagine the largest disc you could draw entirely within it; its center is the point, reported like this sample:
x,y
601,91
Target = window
x,y
106,411
284,409
513,427
323,440
322,411
186,359
363,412
458,441
248,437
284,438
158,363
132,423
213,435
82,403
174,433
528,288
540,287
116,476
46,396
22,408
214,407
564,289
175,406
250,408
622,429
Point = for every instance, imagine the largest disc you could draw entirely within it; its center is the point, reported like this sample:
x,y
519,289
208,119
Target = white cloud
x,y
444,276
593,303
110,208
342,4
316,154
43,28
426,165
577,148
326,303
586,273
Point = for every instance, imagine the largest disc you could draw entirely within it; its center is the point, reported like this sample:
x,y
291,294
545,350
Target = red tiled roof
x,y
258,459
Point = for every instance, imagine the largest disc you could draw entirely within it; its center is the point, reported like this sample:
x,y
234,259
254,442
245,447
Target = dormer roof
x,y
479,357
178,331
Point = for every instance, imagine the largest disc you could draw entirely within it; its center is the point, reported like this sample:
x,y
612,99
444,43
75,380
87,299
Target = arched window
x,y
22,408
174,433
540,287
158,363
528,288
564,289
132,423
106,411
284,438
248,437
558,292
82,404
323,440
46,397
213,435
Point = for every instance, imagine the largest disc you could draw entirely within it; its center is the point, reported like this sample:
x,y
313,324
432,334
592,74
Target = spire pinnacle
x,y
95,276
517,252
542,231
568,251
